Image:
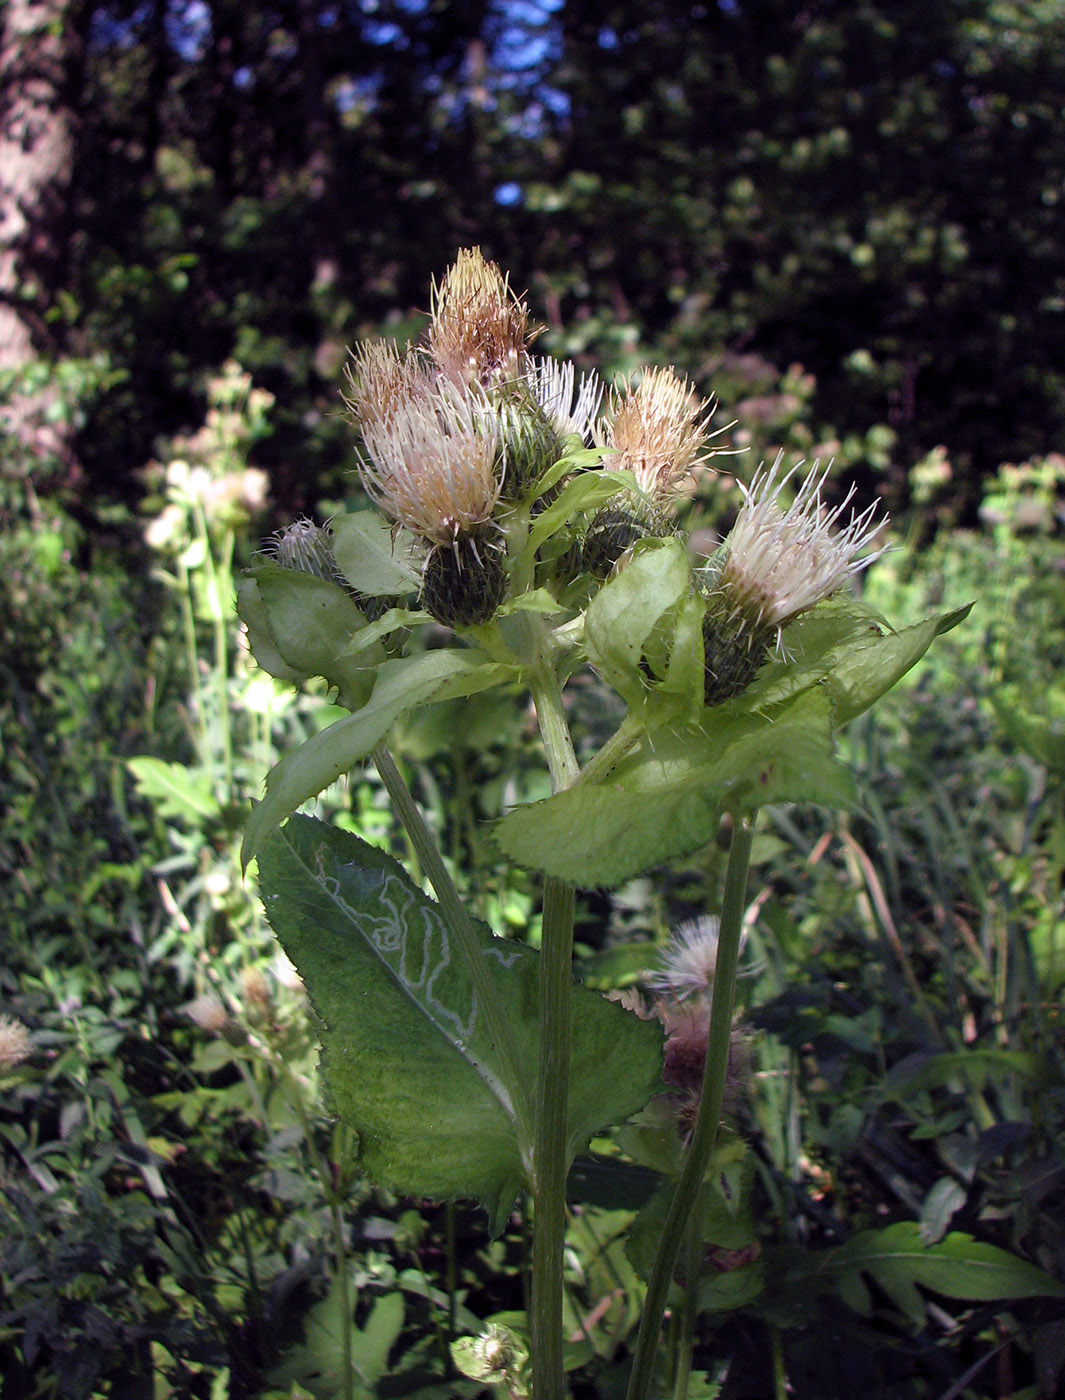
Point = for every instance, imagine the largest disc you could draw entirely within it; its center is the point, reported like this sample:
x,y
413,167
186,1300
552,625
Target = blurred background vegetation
x,y
844,219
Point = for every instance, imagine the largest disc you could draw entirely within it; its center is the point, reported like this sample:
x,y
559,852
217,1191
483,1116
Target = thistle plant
x,y
533,518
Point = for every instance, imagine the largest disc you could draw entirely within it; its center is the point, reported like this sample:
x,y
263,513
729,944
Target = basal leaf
x,y
407,1058
665,800
401,684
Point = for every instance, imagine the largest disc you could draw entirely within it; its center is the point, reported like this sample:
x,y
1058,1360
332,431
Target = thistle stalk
x,y
704,1134
550,1157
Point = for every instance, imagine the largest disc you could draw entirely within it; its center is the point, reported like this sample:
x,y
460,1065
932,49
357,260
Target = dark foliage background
x,y
870,190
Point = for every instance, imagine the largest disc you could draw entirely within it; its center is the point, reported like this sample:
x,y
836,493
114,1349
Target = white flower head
x,y
434,466
552,384
689,962
781,562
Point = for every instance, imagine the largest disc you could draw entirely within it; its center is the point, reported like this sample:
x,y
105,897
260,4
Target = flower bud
x,y
616,528
464,582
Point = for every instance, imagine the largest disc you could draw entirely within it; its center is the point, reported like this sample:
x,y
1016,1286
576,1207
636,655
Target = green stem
x,y
693,1258
347,1312
550,1152
780,1375
614,750
459,924
704,1134
550,1157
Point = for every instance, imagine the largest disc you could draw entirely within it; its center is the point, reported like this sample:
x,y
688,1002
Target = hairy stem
x,y
704,1134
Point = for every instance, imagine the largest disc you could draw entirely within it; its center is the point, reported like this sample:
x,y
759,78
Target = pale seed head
x,y
656,429
14,1043
570,412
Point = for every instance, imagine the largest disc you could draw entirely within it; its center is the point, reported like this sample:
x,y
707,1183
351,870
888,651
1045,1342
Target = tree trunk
x,y
39,52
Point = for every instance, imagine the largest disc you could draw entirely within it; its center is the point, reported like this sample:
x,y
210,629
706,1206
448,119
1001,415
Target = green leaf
x,y
372,555
625,612
312,622
174,790
843,645
866,670
252,612
407,1059
586,491
976,1066
400,685
939,1207
665,801
898,1260
319,1359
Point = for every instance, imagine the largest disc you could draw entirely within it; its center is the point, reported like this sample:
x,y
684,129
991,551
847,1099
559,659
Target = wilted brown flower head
x,y
480,329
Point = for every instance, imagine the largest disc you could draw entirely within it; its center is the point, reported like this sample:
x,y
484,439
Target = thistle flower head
x,y
479,329
776,564
656,429
305,547
552,384
781,562
383,382
433,467
689,962
207,1012
14,1043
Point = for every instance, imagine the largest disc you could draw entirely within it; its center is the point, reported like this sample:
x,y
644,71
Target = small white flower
x,y
552,385
781,562
688,963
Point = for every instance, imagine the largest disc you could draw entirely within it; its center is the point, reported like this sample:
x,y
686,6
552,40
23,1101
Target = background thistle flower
x,y
689,960
15,1046
775,565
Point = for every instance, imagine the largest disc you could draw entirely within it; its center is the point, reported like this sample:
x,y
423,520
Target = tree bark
x,y
39,56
